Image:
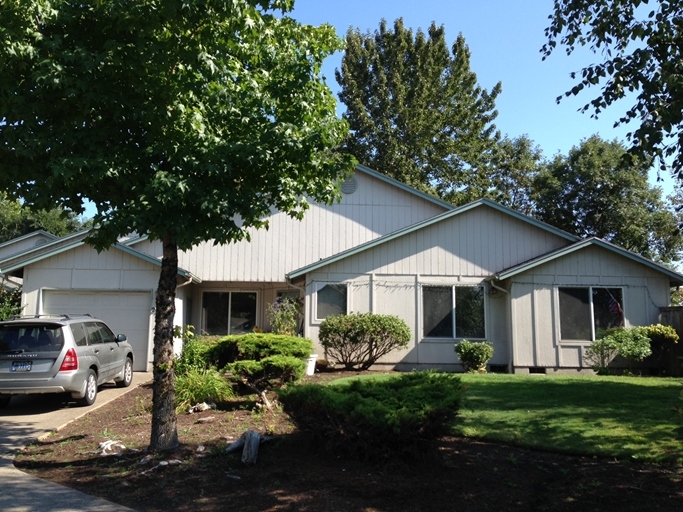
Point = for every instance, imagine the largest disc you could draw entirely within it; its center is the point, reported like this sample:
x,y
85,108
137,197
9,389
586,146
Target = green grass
x,y
621,417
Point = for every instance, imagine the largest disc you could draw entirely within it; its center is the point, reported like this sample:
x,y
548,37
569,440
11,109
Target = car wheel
x,y
90,389
4,400
127,374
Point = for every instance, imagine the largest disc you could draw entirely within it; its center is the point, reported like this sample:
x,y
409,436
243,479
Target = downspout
x,y
492,282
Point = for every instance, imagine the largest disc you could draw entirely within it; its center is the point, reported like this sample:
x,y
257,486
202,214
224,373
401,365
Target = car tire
x,y
90,390
127,374
4,400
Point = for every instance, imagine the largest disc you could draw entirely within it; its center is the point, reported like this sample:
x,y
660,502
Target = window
x,y
453,309
332,299
586,312
228,312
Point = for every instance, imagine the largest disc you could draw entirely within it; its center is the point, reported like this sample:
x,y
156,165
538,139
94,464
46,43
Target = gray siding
x,y
374,209
535,303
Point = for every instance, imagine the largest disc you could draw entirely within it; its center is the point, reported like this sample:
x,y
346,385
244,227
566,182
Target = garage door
x,y
125,312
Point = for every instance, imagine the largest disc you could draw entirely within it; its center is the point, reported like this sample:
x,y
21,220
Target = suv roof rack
x,y
70,316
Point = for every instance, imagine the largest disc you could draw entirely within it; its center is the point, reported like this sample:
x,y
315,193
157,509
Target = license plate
x,y
21,366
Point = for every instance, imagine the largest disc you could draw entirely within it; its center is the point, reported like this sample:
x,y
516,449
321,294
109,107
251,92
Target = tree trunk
x,y
164,424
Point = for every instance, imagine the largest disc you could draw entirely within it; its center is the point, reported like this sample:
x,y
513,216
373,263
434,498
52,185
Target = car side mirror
x,y
121,337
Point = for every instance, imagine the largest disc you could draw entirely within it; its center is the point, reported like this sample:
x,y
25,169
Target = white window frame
x,y
319,286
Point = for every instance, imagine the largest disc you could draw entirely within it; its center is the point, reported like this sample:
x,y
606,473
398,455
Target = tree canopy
x,y
17,220
187,120
641,43
416,111
599,190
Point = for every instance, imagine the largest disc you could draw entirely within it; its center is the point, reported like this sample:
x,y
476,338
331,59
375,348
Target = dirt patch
x,y
461,474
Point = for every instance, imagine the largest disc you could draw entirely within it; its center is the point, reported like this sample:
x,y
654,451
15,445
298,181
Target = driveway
x,y
32,417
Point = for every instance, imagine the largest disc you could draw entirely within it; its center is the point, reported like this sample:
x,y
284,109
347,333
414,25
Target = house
x,y
480,271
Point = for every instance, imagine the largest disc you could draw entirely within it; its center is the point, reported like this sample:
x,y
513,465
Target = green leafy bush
x,y
663,334
284,315
196,385
376,419
10,303
258,346
359,340
601,353
263,361
630,343
197,354
474,355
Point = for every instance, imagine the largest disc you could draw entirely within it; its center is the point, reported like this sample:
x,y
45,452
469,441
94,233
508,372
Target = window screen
x,y
469,312
437,310
585,313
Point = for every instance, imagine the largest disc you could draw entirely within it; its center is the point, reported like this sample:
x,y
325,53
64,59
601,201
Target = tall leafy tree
x,y
416,112
187,120
516,164
17,220
641,43
599,190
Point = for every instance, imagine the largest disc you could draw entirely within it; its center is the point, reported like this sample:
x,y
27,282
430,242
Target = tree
x,y
16,220
186,120
517,163
416,112
599,190
643,54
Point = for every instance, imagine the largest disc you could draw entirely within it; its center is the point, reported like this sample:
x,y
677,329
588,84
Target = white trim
x,y
319,285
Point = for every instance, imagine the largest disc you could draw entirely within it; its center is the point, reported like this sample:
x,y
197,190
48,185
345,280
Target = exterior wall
x,y
84,270
374,209
535,304
462,250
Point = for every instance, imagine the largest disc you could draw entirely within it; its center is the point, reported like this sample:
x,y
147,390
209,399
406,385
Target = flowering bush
x,y
284,315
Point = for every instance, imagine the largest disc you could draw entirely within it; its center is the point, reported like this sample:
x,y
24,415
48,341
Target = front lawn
x,y
622,417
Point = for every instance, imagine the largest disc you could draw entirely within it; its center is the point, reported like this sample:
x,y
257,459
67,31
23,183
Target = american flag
x,y
614,306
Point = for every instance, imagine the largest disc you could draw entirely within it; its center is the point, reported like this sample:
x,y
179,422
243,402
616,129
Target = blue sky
x,y
504,37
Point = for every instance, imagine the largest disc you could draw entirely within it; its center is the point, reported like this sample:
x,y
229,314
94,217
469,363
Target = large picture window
x,y
332,299
453,312
228,312
586,312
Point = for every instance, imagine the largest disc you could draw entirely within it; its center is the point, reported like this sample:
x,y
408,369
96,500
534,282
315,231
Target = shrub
x,y
196,354
474,355
375,419
262,361
284,315
258,346
630,343
600,353
357,341
661,334
198,385
267,373
10,303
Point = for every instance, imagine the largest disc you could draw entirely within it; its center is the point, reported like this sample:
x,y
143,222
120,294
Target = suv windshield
x,y
31,337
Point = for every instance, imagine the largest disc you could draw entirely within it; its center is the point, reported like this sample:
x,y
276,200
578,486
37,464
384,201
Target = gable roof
x,y
38,232
404,187
74,241
421,225
675,278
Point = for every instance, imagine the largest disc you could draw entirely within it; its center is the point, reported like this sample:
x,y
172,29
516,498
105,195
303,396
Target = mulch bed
x,y
459,474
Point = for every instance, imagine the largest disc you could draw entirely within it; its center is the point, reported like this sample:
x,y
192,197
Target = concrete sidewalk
x,y
34,417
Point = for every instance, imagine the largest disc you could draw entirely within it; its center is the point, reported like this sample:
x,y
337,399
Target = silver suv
x,y
61,354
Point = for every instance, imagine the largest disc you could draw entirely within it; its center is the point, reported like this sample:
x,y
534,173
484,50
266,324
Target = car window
x,y
35,338
78,331
99,333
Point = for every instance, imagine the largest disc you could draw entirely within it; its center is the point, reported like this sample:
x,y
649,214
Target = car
x,y
61,354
